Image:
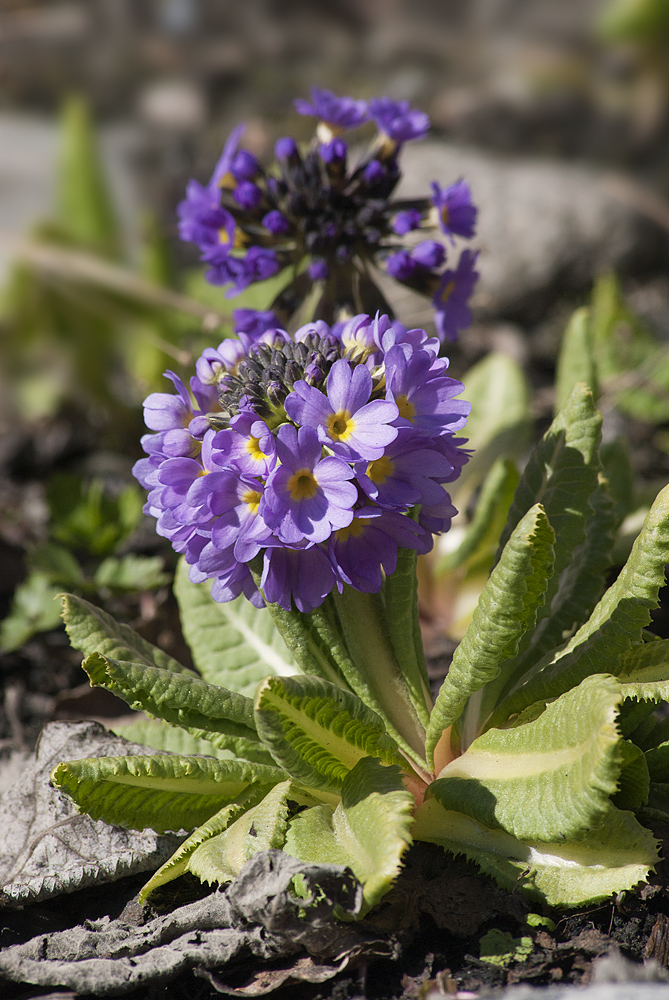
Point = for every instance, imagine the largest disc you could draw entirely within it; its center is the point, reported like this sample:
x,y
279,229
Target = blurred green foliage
x,y
84,552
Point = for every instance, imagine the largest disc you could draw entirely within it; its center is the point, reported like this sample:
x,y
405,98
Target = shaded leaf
x,y
575,361
234,644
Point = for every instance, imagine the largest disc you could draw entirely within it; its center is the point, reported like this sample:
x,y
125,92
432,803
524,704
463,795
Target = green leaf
x,y
549,778
634,781
479,544
506,609
85,211
400,597
261,828
562,474
657,759
220,821
34,609
369,830
131,573
576,360
615,856
499,425
57,563
233,644
204,710
615,625
317,732
171,739
92,630
498,947
161,791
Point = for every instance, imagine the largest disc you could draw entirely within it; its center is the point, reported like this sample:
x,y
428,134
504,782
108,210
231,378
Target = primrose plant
x,y
310,725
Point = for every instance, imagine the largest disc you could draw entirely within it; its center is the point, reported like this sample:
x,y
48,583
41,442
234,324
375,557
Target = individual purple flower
x,y
254,322
202,220
455,209
334,151
247,445
234,500
307,496
337,112
406,474
451,300
248,195
303,576
424,397
398,120
401,265
347,421
276,222
406,221
429,253
369,543
258,265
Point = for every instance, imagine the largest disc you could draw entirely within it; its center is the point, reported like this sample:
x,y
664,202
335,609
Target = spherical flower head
x,y
307,496
451,300
304,454
337,112
455,210
398,120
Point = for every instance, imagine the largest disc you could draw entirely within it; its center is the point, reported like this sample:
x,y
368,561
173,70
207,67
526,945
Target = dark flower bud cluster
x,y
313,457
331,222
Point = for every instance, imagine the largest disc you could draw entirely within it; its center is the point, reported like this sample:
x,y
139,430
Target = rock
x,y
545,228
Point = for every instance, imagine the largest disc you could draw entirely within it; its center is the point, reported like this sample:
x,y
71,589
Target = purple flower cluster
x,y
326,221
303,463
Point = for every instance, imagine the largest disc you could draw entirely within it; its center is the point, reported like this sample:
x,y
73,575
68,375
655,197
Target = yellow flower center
x,y
406,407
379,470
443,211
340,425
223,235
354,529
253,449
252,498
302,485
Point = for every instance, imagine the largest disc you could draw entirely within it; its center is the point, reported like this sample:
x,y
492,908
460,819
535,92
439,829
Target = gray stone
x,y
544,227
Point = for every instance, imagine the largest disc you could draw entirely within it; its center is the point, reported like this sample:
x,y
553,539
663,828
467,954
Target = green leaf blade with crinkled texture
x,y
634,782
369,830
400,594
614,857
562,474
234,644
204,710
317,732
218,823
615,625
92,630
545,779
261,828
161,791
506,609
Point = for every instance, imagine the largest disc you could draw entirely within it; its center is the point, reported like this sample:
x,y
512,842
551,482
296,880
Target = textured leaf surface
x,y
216,824
205,710
160,791
317,731
234,644
562,474
368,831
400,594
506,609
546,779
92,630
634,781
222,857
614,626
614,857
